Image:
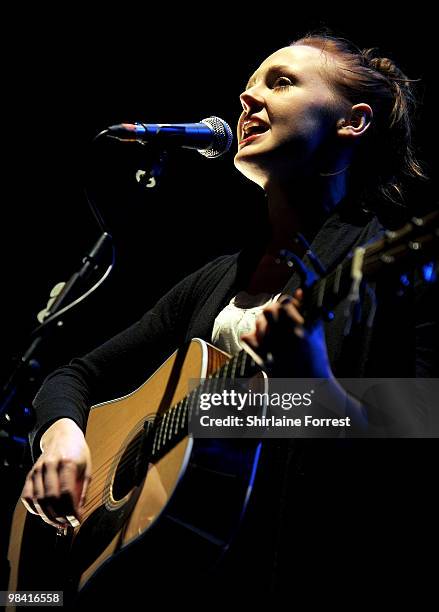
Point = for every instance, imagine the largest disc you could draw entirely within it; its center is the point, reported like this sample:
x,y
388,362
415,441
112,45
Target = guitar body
x,y
182,502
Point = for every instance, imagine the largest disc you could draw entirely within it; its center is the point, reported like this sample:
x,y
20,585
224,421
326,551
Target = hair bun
x,y
384,66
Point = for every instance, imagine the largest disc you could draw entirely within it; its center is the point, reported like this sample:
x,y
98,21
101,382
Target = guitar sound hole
x,y
131,468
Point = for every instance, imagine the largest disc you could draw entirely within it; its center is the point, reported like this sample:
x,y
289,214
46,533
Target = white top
x,y
238,318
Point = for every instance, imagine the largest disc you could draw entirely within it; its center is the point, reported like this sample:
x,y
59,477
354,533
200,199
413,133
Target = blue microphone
x,y
212,137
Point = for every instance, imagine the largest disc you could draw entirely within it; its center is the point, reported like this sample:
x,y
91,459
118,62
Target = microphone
x,y
211,137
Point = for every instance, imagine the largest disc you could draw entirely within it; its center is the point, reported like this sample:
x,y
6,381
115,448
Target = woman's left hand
x,y
297,350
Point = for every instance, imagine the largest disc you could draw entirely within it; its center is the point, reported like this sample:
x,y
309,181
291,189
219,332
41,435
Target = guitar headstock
x,y
395,253
415,243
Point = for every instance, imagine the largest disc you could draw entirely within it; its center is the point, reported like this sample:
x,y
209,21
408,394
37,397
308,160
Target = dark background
x,y
70,76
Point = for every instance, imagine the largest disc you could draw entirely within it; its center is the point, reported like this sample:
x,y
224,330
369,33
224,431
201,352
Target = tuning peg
x,y
418,221
307,276
430,271
319,268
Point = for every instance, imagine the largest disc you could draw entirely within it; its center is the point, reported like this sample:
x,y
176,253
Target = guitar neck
x,y
172,427
415,243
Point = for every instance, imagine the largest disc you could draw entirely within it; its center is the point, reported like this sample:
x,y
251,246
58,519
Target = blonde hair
x,y
387,155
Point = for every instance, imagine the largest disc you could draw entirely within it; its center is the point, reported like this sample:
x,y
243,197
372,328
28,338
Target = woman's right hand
x,y
56,485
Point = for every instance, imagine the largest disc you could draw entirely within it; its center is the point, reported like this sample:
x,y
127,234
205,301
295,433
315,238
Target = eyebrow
x,y
271,70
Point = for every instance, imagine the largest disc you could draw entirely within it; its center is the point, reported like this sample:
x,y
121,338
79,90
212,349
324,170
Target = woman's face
x,y
289,116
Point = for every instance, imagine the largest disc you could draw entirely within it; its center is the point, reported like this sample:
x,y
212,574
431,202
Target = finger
x,y
249,339
39,499
53,505
38,485
27,495
261,326
288,299
70,487
251,348
270,314
50,479
290,311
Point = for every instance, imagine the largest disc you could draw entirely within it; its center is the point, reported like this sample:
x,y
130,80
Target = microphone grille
x,y
222,137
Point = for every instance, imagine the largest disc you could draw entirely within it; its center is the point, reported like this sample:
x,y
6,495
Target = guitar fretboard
x,y
173,425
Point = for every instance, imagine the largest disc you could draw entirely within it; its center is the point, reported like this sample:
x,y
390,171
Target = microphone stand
x,y
16,413
17,416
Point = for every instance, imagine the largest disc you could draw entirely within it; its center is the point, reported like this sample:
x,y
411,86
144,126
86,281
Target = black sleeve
x,y
121,364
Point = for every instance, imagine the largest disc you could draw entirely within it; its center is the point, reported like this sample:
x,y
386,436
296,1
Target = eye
x,y
281,82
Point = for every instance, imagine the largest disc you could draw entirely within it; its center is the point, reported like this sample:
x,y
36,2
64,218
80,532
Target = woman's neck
x,y
301,207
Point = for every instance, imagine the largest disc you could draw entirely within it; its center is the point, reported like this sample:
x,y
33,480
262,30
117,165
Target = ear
x,y
359,120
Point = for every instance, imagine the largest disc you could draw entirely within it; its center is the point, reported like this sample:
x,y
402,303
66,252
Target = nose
x,y
251,101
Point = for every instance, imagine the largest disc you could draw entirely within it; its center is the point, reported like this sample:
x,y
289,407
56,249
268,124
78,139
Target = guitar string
x,y
129,458
165,437
126,463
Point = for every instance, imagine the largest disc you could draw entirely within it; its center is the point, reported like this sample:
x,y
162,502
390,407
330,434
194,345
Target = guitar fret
x,y
226,370
243,363
211,384
170,420
165,426
337,278
167,419
321,292
155,446
206,385
238,364
224,376
188,410
168,423
174,411
234,366
162,427
177,416
181,414
195,399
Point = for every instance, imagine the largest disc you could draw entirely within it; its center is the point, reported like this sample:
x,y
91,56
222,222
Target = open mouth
x,y
253,131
